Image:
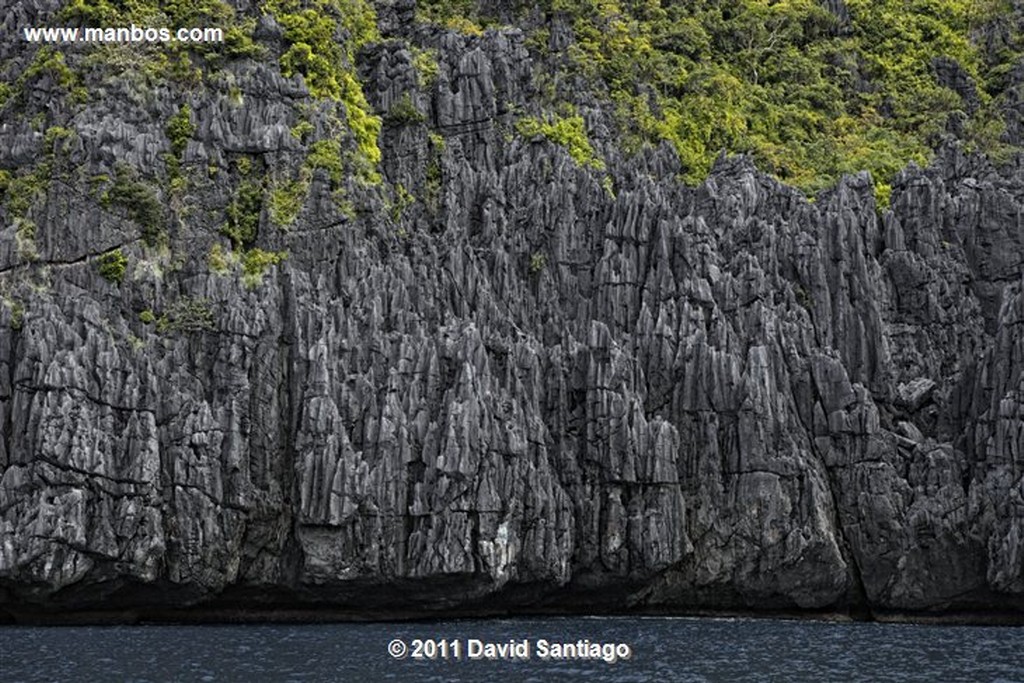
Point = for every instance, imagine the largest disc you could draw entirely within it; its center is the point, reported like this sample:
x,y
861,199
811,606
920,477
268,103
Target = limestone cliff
x,y
494,378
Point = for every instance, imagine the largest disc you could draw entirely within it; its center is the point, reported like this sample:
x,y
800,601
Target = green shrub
x,y
465,26
54,135
25,232
569,132
460,16
112,266
188,314
16,311
50,61
286,200
365,129
404,112
20,192
218,260
312,52
243,214
538,262
425,63
432,185
175,13
256,261
238,42
302,130
436,141
326,154
147,317
403,199
91,13
180,130
140,202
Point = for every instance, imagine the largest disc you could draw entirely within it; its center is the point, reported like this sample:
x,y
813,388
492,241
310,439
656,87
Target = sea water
x,y
598,649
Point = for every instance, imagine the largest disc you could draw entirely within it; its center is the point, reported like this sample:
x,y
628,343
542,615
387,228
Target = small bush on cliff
x,y
255,263
180,130
326,155
188,314
538,262
287,198
425,63
569,132
243,214
112,266
140,202
404,112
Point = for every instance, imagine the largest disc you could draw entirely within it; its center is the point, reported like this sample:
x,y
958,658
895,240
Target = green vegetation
x,y
327,64
172,58
432,186
433,176
313,51
436,141
609,186
47,62
112,266
55,135
569,132
25,232
148,66
809,98
147,317
219,260
404,112
50,62
302,130
180,130
403,199
466,27
365,129
326,154
255,263
19,192
187,314
238,41
243,221
140,201
456,15
16,311
286,200
538,262
243,213
425,63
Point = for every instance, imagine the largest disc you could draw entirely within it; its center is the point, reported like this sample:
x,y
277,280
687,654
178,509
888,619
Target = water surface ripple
x,y
663,649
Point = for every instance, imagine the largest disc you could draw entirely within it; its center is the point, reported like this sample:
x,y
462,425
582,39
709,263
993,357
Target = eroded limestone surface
x,y
540,388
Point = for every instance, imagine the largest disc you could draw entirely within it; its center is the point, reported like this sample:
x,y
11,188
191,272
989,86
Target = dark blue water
x,y
660,649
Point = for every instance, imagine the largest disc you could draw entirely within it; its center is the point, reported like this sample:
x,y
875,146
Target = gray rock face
x,y
531,388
